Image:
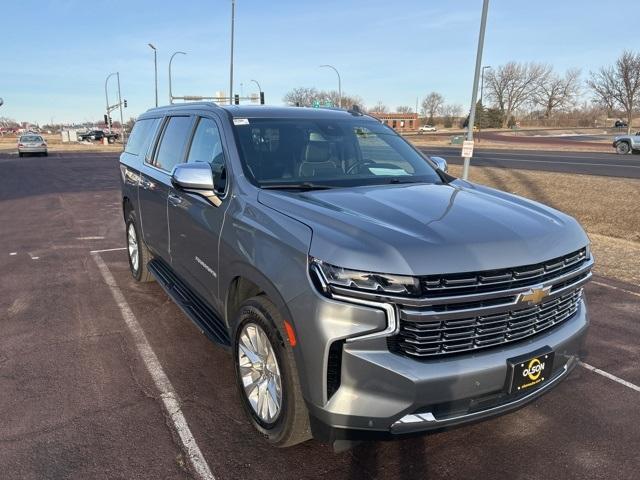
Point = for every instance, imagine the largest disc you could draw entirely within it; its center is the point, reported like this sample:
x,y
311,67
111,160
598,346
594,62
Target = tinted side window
x,y
141,136
174,140
207,144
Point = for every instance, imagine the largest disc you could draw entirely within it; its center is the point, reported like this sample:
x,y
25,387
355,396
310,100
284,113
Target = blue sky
x,y
56,54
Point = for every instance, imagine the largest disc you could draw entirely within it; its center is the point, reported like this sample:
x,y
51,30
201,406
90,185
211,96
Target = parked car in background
x,y
32,143
620,124
427,128
627,143
361,290
98,135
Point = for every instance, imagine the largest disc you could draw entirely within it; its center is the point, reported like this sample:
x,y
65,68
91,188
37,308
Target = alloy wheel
x,y
132,246
260,373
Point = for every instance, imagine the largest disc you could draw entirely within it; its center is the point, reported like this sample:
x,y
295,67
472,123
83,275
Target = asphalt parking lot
x,y
78,400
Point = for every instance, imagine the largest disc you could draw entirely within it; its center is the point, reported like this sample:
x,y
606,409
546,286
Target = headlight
x,y
366,281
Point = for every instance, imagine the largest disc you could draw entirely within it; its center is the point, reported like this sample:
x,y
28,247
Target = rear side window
x,y
174,140
142,136
206,145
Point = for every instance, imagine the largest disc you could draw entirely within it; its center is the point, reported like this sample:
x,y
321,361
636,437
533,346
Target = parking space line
x,y
170,398
610,376
108,250
595,282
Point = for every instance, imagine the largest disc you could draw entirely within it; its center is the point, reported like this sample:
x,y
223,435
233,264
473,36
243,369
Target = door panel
x,y
195,223
155,184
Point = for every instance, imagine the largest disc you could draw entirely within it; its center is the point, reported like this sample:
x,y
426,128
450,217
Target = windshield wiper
x,y
296,186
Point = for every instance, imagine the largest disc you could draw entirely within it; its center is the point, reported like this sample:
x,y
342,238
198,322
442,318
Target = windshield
x,y
320,152
31,138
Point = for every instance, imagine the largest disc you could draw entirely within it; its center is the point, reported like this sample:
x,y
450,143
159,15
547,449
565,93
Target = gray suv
x,y
362,291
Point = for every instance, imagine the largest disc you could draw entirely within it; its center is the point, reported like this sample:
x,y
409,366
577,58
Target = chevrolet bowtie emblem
x,y
534,295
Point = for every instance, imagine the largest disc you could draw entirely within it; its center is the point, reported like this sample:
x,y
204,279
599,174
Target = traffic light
x,y
106,120
236,99
125,103
261,98
110,122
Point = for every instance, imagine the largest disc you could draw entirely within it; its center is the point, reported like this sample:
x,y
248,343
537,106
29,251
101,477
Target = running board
x,y
190,302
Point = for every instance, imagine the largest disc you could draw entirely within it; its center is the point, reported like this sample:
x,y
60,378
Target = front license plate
x,y
530,371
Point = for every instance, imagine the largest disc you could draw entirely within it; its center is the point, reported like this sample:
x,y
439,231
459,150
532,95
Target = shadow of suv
x,y
362,290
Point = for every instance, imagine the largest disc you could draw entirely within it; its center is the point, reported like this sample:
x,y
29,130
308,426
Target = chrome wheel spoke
x,y
260,373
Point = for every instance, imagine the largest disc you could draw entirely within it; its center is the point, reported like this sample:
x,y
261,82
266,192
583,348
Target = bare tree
x,y
431,105
450,113
404,109
302,96
555,92
514,84
379,107
619,82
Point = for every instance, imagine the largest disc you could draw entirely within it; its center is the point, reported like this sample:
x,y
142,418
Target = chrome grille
x,y
449,336
486,281
471,311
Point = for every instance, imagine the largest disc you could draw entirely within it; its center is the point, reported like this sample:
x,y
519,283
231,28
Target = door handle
x,y
174,199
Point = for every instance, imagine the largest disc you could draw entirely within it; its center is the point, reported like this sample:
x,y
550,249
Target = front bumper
x,y
386,393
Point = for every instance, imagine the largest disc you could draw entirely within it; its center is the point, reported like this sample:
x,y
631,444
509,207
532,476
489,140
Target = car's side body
x,y
627,143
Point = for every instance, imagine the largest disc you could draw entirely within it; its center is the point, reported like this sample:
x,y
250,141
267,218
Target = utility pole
x,y
339,83
482,100
474,93
155,66
171,60
233,15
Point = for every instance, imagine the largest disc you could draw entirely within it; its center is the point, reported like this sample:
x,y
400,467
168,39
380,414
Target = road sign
x,y
316,104
467,149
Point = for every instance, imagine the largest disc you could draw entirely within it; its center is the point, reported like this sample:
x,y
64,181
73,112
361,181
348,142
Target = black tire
x,y
111,140
138,269
46,154
292,424
623,148
20,154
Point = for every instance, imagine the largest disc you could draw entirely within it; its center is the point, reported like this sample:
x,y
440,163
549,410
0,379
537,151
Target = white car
x,y
32,143
427,128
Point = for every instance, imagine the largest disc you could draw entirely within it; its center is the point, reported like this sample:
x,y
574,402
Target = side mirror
x,y
193,176
441,163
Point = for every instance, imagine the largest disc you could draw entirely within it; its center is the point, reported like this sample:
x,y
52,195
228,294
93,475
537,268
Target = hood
x,y
423,229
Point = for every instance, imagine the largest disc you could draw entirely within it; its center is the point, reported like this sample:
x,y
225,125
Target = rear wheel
x,y
267,376
623,148
111,140
137,251
20,154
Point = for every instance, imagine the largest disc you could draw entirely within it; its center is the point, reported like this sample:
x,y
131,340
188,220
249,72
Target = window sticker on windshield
x,y
241,121
391,172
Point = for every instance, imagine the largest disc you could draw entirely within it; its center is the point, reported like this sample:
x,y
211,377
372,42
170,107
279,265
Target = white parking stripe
x,y
595,282
170,398
610,376
108,250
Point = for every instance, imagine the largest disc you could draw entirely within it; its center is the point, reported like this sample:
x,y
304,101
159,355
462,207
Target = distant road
x,y
589,163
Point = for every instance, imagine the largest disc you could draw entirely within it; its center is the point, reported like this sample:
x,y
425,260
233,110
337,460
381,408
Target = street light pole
x,y
476,78
482,99
339,83
122,137
233,15
171,60
155,66
106,97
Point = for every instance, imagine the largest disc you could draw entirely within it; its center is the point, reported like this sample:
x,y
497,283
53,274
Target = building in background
x,y
402,122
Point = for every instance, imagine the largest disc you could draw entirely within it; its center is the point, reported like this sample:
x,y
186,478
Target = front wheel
x,y
267,376
623,148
